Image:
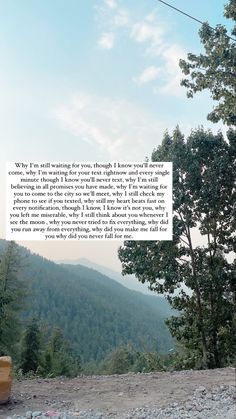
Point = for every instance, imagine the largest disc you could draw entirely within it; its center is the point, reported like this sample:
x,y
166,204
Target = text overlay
x,y
89,201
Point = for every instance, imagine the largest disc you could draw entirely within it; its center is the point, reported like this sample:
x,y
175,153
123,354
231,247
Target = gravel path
x,y
188,394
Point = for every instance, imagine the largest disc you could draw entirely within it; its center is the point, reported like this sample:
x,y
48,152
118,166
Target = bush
x,y
127,359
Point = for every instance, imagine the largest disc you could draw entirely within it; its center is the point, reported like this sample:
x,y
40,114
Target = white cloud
x,y
150,33
121,129
107,40
143,31
149,74
171,70
121,18
111,3
168,71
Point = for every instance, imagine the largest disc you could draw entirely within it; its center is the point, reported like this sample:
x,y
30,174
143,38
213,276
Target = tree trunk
x,y
199,303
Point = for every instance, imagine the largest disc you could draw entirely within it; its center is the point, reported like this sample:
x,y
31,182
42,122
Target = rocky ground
x,y
187,394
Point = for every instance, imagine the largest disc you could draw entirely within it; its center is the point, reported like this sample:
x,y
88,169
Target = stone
x,y
36,414
201,389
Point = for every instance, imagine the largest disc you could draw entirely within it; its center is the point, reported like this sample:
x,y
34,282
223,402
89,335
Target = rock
x,y
201,390
188,406
52,413
36,414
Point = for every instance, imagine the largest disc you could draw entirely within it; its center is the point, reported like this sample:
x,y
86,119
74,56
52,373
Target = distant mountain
x,y
95,313
157,302
128,281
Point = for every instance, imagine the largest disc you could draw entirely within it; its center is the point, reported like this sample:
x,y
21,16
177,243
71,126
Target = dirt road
x,y
111,394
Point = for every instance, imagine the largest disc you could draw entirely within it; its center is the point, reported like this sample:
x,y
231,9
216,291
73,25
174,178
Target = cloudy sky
x,y
94,80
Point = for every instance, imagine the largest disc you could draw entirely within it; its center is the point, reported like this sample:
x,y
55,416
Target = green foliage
x,y
95,313
58,358
216,69
183,359
92,368
204,197
44,357
30,348
127,359
11,298
121,361
148,362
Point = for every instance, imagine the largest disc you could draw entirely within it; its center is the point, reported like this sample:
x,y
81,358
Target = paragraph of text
x,y
89,201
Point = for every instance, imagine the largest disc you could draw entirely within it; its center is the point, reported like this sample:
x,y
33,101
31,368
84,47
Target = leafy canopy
x,y
204,196
215,70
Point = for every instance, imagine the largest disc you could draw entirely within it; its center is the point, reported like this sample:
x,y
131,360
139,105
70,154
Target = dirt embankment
x,y
111,394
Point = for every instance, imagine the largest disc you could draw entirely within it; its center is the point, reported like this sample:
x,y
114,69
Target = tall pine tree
x,y
30,348
11,298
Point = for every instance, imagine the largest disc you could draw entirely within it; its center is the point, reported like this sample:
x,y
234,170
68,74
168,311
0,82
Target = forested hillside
x,y
95,313
128,281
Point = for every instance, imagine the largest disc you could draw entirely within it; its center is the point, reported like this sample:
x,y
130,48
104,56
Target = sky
x,y
95,80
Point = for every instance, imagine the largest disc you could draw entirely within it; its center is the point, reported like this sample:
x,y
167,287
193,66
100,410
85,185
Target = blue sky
x,y
91,80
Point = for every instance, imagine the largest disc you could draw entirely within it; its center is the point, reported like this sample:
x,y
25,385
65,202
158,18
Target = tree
x,y
204,197
11,298
58,358
30,348
216,69
128,359
121,360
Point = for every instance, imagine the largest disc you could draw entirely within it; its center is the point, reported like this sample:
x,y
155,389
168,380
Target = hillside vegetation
x,y
95,313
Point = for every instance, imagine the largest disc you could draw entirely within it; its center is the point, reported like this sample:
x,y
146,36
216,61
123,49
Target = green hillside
x,y
95,313
128,281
